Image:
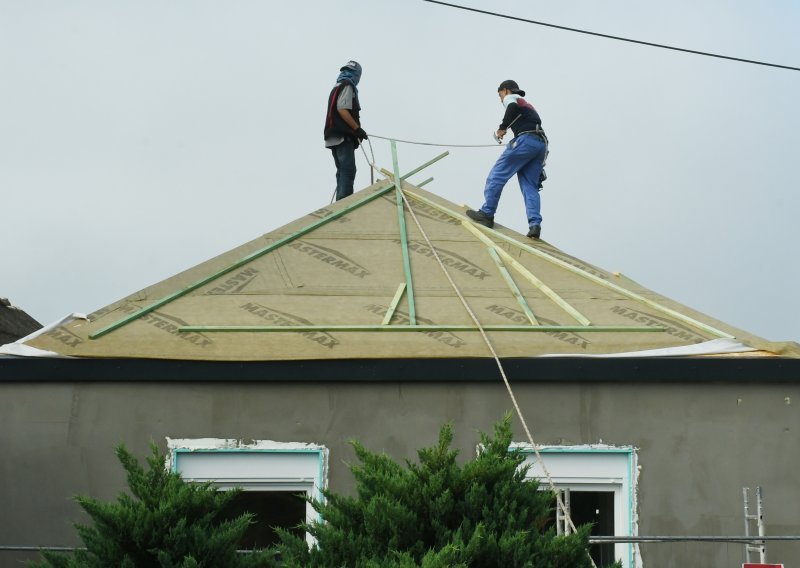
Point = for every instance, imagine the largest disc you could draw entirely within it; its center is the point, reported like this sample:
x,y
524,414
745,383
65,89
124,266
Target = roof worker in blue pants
x,y
524,156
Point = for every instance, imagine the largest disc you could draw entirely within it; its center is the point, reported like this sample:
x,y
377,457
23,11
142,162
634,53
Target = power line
x,y
607,36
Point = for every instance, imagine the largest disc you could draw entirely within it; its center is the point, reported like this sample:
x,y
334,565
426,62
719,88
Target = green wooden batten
x,y
557,261
261,252
411,328
423,166
401,219
528,275
239,263
513,287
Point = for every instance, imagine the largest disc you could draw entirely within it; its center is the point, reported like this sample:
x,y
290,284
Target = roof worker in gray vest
x,y
343,132
524,156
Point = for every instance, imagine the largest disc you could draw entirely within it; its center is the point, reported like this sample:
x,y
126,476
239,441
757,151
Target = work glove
x,y
360,134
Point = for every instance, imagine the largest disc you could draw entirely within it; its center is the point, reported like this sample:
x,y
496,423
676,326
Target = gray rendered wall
x,y
698,444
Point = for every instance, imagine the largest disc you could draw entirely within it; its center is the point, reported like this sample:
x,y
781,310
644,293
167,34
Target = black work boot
x,y
534,231
481,218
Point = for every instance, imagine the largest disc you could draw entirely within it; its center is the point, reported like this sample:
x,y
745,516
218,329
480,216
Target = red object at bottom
x,y
754,565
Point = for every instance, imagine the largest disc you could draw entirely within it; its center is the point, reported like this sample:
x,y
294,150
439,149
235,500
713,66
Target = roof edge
x,y
719,369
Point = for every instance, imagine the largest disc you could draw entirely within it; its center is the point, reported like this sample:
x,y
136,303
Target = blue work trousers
x,y
523,156
344,156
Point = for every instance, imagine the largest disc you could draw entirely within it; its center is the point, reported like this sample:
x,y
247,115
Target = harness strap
x,y
535,132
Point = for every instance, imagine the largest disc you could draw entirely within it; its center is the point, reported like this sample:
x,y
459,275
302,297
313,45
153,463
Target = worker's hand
x,y
500,134
360,134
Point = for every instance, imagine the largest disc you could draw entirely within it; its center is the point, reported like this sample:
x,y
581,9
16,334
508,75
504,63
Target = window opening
x,y
271,510
597,508
274,478
599,481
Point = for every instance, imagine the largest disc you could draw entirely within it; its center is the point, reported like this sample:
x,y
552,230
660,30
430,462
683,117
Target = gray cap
x,y
352,65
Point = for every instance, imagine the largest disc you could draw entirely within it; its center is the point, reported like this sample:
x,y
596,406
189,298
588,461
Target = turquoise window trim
x,y
566,450
628,450
319,451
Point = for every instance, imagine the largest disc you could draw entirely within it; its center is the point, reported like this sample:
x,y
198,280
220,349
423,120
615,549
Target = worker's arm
x,y
343,106
348,118
512,112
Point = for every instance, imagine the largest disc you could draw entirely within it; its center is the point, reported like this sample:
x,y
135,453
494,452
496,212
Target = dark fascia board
x,y
453,370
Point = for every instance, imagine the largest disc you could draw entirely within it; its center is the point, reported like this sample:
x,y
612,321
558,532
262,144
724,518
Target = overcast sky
x,y
139,138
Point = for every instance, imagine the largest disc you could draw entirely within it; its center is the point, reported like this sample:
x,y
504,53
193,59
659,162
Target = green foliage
x,y
438,514
165,522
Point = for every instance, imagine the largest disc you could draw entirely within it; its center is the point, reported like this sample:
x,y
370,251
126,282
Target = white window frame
x,y
262,465
596,467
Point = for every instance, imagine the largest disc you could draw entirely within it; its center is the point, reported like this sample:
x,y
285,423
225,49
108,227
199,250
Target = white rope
x,y
435,144
376,169
474,318
371,166
477,323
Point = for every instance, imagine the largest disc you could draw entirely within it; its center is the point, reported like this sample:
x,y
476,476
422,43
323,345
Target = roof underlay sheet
x,y
349,281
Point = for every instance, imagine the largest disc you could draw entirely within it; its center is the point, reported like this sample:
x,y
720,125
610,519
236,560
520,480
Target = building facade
x,y
380,322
